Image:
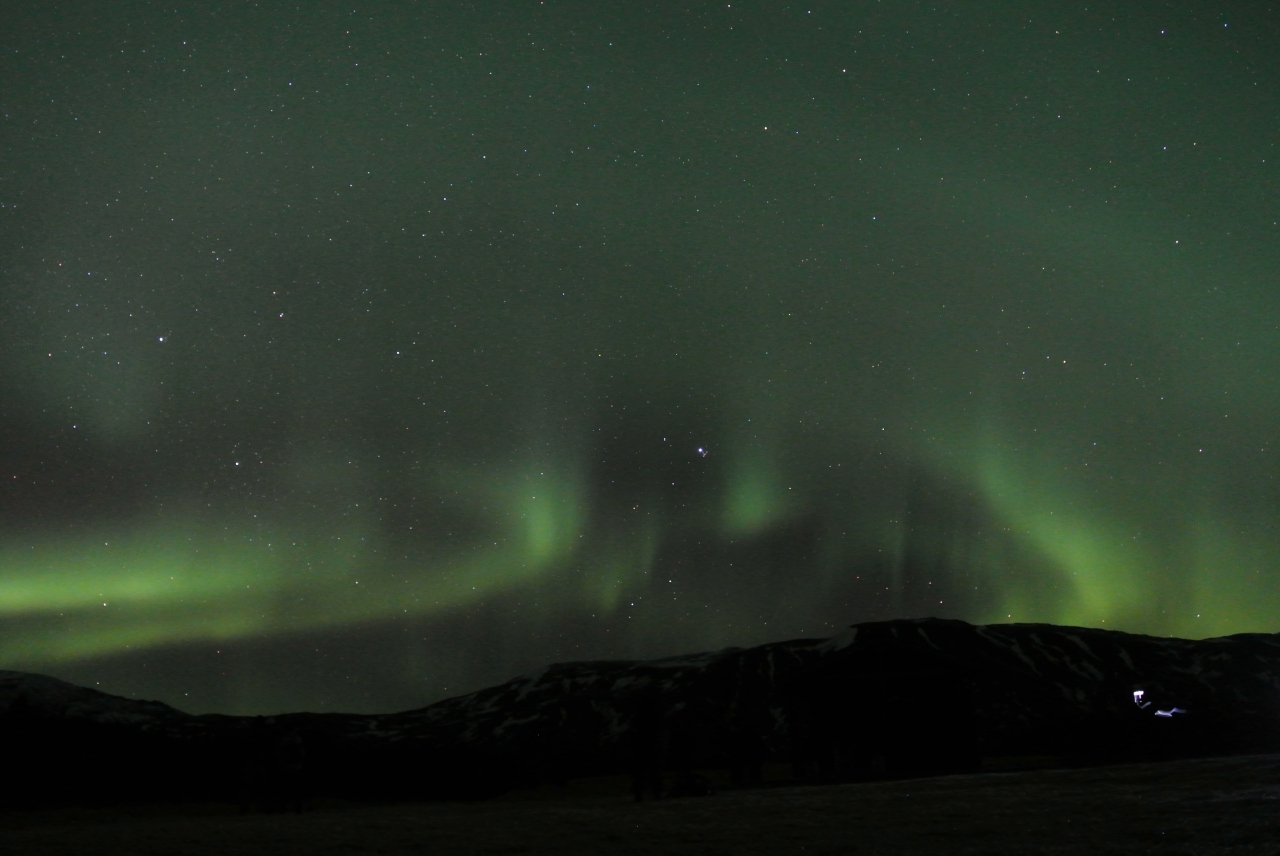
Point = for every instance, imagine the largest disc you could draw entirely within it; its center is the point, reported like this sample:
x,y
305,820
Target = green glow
x,y
1101,566
157,584
756,499
551,514
57,576
1181,570
625,557
1231,570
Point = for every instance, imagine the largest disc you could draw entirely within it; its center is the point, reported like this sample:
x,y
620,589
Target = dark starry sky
x,y
357,355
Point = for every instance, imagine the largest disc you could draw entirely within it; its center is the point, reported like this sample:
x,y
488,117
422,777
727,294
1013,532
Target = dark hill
x,y
881,699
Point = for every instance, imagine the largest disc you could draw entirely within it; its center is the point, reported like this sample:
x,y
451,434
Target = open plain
x,y
1206,806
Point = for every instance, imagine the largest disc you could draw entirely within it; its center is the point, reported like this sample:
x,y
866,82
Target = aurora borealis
x,y
357,355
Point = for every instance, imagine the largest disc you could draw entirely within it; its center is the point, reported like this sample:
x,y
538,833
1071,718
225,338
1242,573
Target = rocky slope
x,y
890,698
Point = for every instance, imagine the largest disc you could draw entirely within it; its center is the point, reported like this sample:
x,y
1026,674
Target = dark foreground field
x,y
1227,805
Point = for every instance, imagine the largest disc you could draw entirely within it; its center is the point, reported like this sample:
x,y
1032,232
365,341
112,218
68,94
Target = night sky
x,y
353,356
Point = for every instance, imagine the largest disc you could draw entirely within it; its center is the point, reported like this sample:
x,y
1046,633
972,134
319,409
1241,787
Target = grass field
x,y
1213,806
